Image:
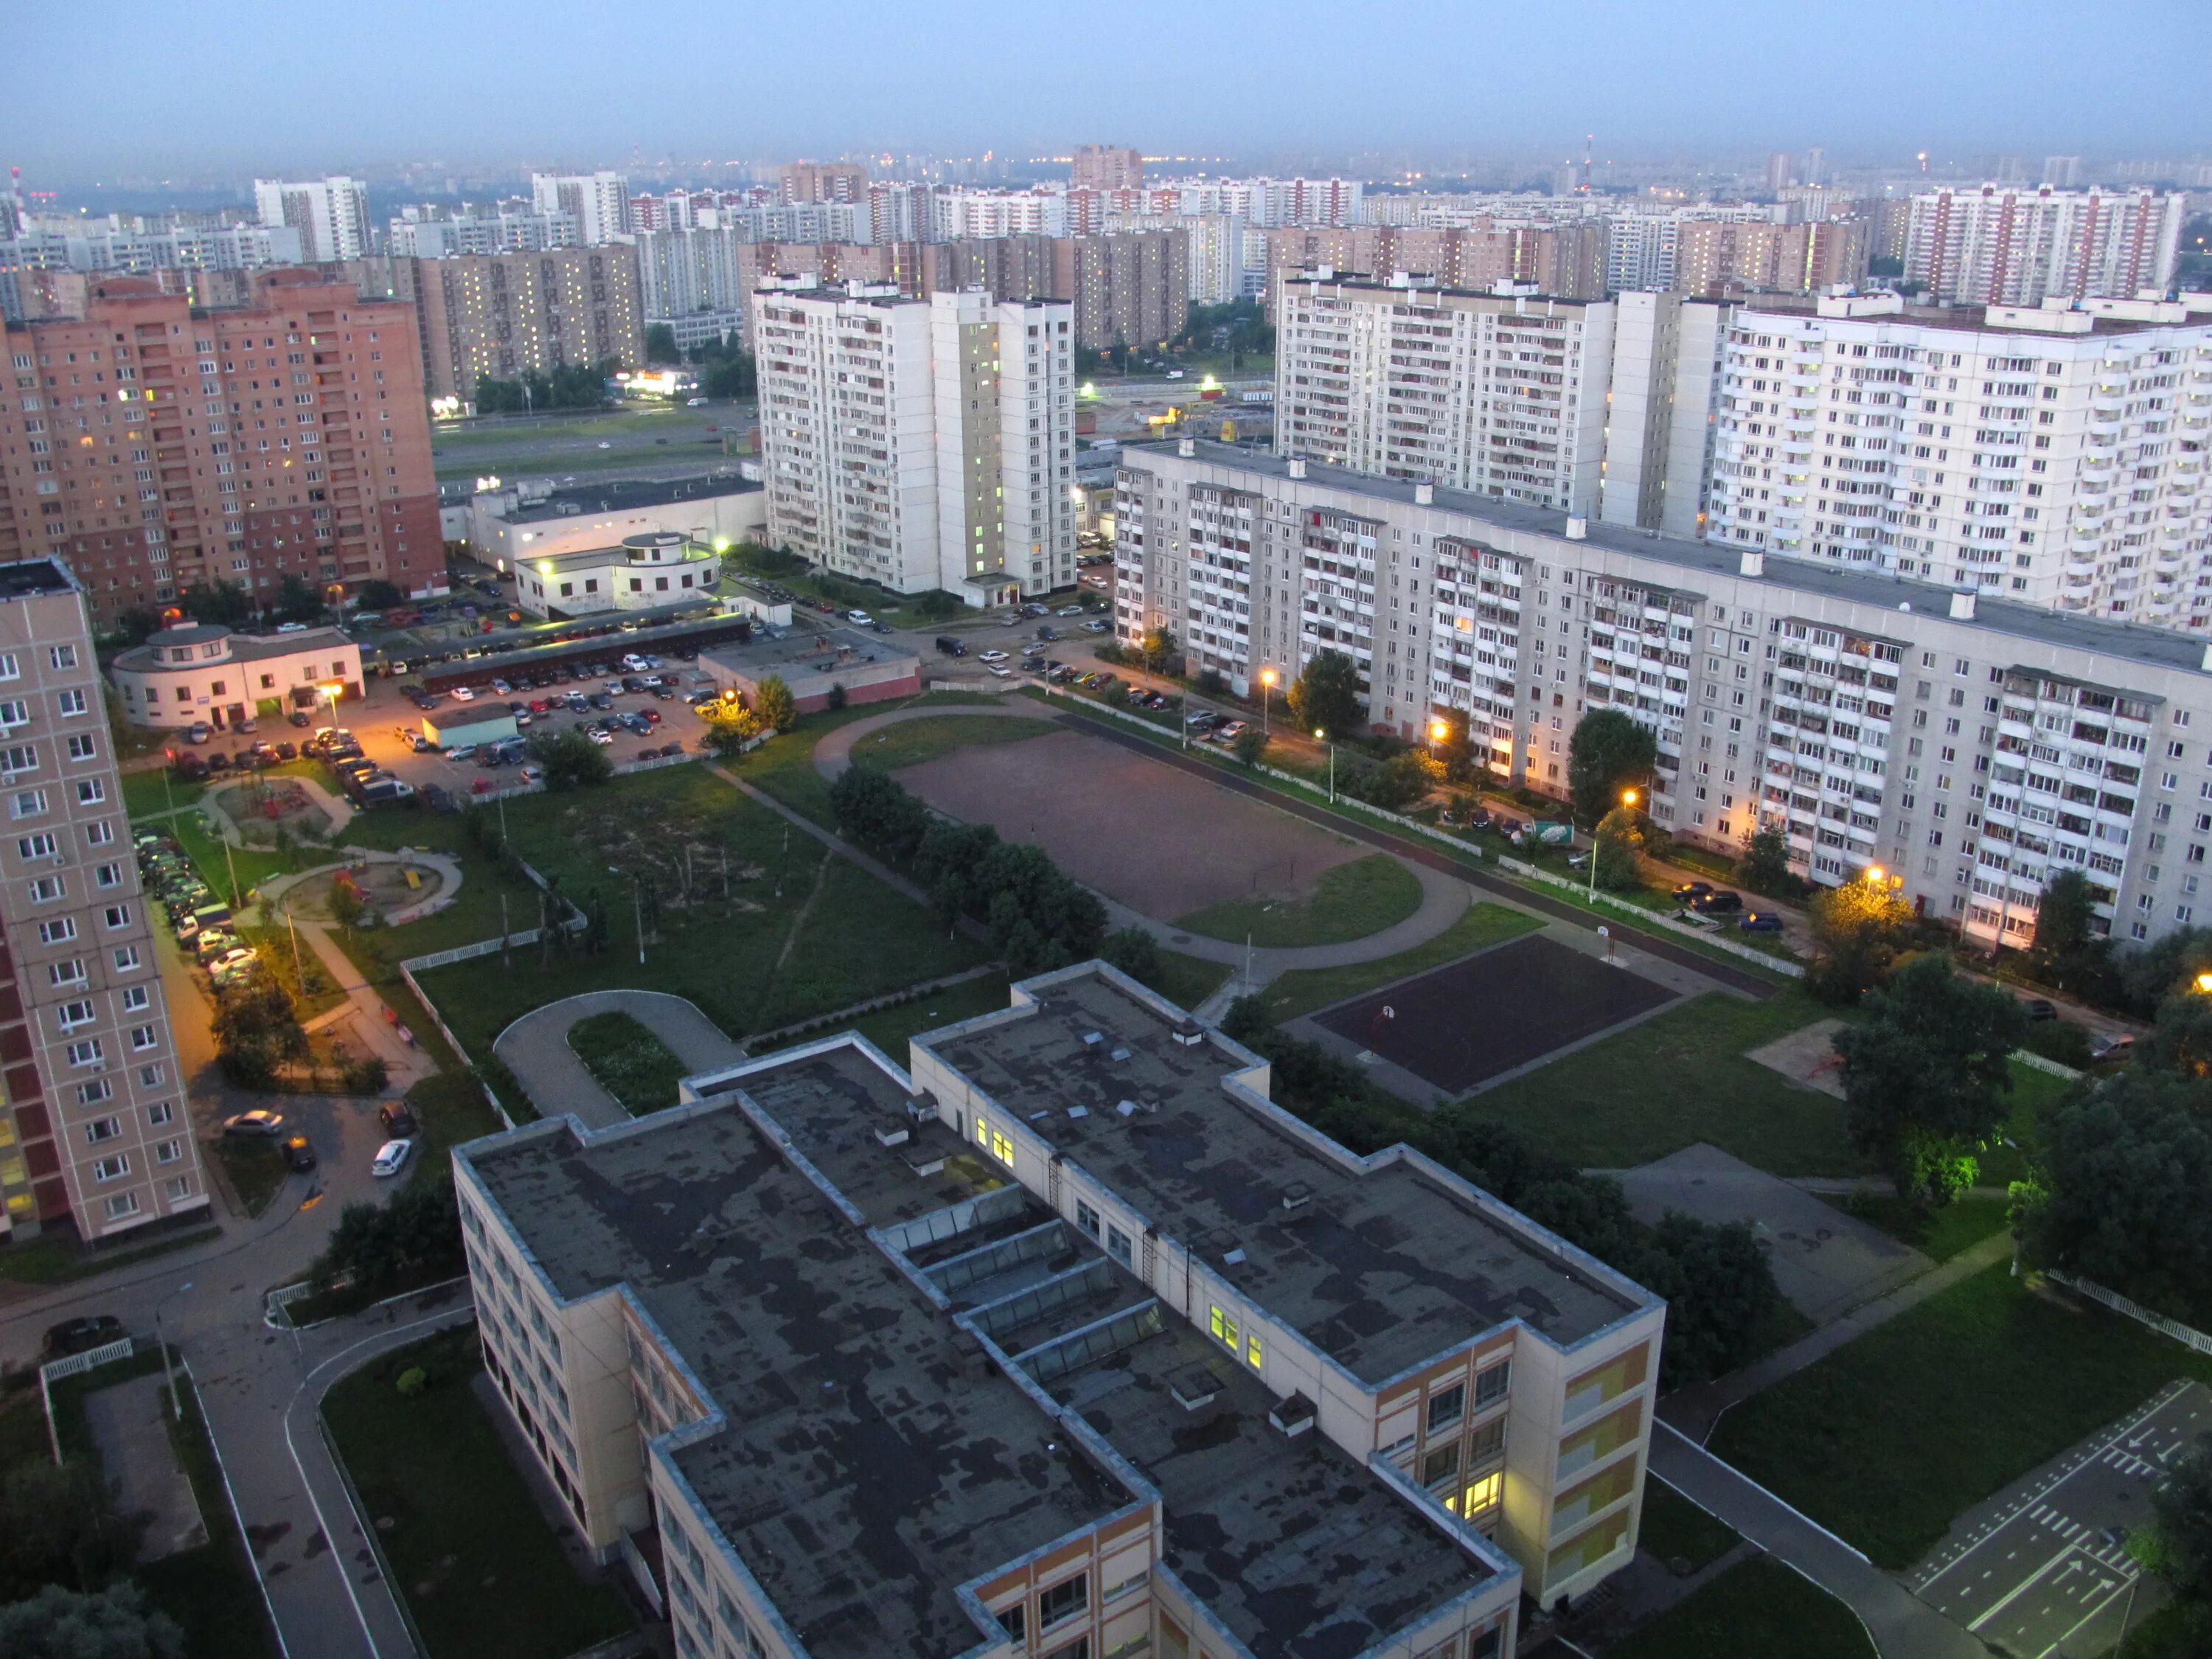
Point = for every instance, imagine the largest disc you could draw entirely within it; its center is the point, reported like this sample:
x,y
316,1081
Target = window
x,y
1086,1218
1223,1327
1490,1385
60,931
1253,1355
162,1113
28,802
62,656
137,998
1014,1620
1481,1495
116,915
40,846
103,1128
71,701
122,1204
169,1151
99,834
112,1168
1448,1407
1440,1466
150,1077
1117,1244
90,792
107,875
91,1094
1000,1147
45,890
72,1015
143,1038
1063,1600
82,747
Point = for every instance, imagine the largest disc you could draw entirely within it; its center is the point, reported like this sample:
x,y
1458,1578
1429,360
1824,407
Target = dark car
x,y
1760,922
438,798
397,1121
300,717
298,1154
1691,889
81,1335
2039,1009
1721,903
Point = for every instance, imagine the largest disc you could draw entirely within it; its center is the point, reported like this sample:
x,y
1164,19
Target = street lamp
x,y
1627,798
1319,736
1438,731
2204,983
176,1404
1266,697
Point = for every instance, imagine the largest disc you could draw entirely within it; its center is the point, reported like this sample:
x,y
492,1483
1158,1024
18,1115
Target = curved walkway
x,y
535,1047
1444,899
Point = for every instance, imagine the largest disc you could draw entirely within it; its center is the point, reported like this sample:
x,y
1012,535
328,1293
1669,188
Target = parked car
x,y
399,1120
2039,1009
1691,889
391,1157
950,646
859,618
198,732
1198,719
256,1122
991,656
299,1154
300,717
1071,611
1230,731
1760,922
80,1335
1723,902
463,693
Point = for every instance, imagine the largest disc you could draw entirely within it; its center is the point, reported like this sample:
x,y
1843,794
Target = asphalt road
x,y
2039,1570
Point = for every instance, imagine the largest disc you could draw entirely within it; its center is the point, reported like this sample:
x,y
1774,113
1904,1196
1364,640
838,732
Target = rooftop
x,y
1965,319
244,647
32,577
628,496
1380,1267
2153,647
802,650
872,1460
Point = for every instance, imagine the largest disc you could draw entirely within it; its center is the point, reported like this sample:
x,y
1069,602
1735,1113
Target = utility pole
x,y
298,972
637,895
506,937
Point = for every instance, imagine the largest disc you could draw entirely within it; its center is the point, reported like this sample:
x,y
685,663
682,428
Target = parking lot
x,y
2041,1569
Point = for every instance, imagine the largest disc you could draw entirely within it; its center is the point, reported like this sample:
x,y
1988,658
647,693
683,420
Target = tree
x,y
375,1246
221,602
571,760
295,601
2065,919
1250,744
56,1528
2181,1508
377,594
730,726
1720,1289
1618,846
1609,752
1160,647
112,1624
773,702
1926,1079
660,344
2181,1039
347,901
1326,695
256,1032
1857,931
874,810
1765,865
1134,952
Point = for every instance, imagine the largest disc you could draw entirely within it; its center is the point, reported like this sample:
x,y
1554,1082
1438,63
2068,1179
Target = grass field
x,y
1678,1079
1186,981
1479,927
909,743
889,1028
54,1261
256,1169
1347,902
482,1574
1888,1438
1937,1234
1675,1529
1755,1610
775,929
631,1064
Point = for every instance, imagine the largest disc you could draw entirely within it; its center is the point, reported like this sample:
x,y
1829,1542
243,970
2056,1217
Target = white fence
x,y
76,1365
2187,1336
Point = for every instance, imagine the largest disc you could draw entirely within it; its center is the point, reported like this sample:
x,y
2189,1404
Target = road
x,y
641,442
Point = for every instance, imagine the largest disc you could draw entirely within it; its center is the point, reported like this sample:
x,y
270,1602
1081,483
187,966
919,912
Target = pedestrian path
x,y
535,1047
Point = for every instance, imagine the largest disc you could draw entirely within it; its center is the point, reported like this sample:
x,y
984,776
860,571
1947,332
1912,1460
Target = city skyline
x,y
1220,86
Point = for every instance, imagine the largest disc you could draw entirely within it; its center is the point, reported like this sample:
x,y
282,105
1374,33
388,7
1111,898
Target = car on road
x,y
603,443
1691,889
1760,922
859,618
1723,902
463,694
392,1157
2039,1009
256,1122
1071,611
1199,718
299,1154
993,656
1096,627
1230,731
398,1118
695,403
532,773
80,1335
999,670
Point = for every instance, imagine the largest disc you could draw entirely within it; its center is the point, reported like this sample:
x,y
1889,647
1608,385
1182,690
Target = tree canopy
x,y
1619,845
773,703
1765,865
1858,929
111,1624
2181,1505
1326,695
571,760
1927,1075
1610,752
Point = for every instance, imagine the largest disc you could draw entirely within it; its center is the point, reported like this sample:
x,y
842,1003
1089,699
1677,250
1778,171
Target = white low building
x,y
518,524
200,671
643,573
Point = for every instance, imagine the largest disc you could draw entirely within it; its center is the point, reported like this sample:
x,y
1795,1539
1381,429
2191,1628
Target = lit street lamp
x,y
1627,798
1320,736
1266,697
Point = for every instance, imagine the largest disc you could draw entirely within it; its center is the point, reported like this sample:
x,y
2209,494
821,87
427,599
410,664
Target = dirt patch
x,y
1158,840
384,886
1807,1056
262,807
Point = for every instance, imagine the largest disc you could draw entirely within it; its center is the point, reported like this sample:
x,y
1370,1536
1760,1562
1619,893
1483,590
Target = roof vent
x,y
1753,563
1234,1258
922,1107
1194,1386
1292,1416
891,1135
1424,492
1119,1055
1189,1034
1079,1111
1186,447
1962,605
1092,1039
1298,467
1298,1195
1577,527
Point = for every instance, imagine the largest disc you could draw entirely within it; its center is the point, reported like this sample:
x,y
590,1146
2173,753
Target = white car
x,y
463,694
601,737
1001,670
859,618
633,663
603,443
695,403
993,655
391,1157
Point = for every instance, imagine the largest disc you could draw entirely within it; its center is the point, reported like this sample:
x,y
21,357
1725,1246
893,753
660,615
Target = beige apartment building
x,y
1060,1340
507,314
95,1132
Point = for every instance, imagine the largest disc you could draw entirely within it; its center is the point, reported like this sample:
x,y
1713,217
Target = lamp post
x,y
1627,798
176,1404
1266,697
1438,731
1319,736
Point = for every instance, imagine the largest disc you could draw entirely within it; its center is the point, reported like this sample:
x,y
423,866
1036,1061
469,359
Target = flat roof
x,y
872,1459
1965,319
2153,647
244,647
625,495
1381,1268
804,650
29,578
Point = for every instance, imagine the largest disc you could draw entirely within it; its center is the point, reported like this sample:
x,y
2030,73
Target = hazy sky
x,y
255,86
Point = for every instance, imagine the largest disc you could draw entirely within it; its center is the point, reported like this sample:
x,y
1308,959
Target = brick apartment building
x,y
93,1127
504,314
150,446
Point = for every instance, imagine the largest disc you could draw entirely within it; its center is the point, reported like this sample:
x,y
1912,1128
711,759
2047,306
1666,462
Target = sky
x,y
253,85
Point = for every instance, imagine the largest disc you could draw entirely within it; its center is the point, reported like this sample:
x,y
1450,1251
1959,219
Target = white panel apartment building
x,y
2054,455
599,202
1500,394
1971,744
2018,245
920,443
330,215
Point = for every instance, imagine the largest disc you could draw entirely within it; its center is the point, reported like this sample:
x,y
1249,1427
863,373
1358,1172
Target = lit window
x,y
1223,1327
1252,1356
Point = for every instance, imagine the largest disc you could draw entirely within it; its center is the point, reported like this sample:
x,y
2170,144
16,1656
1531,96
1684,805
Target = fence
x,y
76,1365
2038,1063
2187,1336
993,687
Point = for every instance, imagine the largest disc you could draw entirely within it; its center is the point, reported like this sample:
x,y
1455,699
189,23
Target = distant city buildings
x,y
597,202
2018,246
1103,166
920,443
506,315
329,214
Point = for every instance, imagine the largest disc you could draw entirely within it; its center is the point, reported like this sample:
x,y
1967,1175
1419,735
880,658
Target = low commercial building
x,y
201,672
643,573
1062,1339
868,667
469,724
512,524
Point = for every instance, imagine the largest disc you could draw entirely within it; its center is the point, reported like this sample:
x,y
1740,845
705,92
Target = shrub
x,y
411,1381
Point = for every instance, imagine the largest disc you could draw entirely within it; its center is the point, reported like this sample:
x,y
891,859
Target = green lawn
x,y
798,934
1678,1079
145,793
912,742
1888,1438
1480,926
256,1169
1937,1234
1348,901
482,1574
889,1028
1188,981
55,1261
1755,1610
1675,1529
631,1064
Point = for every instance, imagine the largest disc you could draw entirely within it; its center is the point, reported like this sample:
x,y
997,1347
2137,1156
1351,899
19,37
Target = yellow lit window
x,y
1223,1327
1002,1149
982,1133
1252,1354
1483,1494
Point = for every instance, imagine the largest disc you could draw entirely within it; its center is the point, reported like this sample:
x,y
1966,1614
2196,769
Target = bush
x,y
571,760
1251,742
1134,952
773,704
411,1381
2060,1040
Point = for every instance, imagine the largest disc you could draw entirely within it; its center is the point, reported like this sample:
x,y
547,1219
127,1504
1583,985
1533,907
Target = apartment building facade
x,y
2015,244
920,443
982,1258
1714,258
508,314
94,1131
331,215
1106,167
599,203
1503,394
1970,743
150,446
2053,454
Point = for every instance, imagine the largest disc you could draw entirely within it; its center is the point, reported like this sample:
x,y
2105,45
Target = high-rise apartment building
x,y
823,181
493,233
1970,744
920,443
150,446
1134,287
506,314
1714,257
2051,454
1155,1387
94,1130
1662,422
597,202
1104,167
1215,254
1777,172
1500,393
330,215
2017,245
